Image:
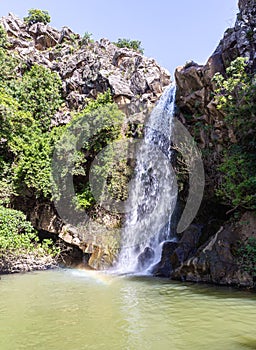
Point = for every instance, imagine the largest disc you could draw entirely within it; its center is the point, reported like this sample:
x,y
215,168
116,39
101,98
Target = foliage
x,y
238,185
29,149
32,168
8,64
236,97
130,44
84,197
97,126
15,231
13,120
247,256
39,92
3,38
17,234
37,16
6,183
87,38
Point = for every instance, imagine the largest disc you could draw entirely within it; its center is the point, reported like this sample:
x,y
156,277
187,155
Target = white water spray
x,y
152,193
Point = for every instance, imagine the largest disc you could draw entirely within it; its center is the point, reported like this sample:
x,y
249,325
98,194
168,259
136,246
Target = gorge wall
x,y
208,249
86,68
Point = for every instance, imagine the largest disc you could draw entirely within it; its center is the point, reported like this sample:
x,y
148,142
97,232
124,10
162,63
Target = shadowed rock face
x,y
164,267
214,258
194,82
145,258
216,261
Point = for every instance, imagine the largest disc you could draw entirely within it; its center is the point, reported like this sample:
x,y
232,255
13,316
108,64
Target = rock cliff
x,y
86,68
213,257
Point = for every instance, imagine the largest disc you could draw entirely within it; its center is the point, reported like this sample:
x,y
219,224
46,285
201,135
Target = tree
x,y
235,95
130,44
37,16
39,92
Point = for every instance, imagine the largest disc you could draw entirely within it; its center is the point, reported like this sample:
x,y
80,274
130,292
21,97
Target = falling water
x,y
152,192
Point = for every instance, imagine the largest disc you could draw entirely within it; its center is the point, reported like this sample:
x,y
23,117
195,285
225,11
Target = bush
x,y
32,168
87,38
130,44
39,92
103,126
15,231
17,236
236,97
238,182
3,38
247,256
8,66
37,16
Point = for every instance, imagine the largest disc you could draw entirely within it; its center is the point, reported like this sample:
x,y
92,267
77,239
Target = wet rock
x,y
187,245
146,258
217,261
164,267
11,263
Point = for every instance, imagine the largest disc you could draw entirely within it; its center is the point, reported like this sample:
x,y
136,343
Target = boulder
x,y
187,245
217,260
164,267
145,259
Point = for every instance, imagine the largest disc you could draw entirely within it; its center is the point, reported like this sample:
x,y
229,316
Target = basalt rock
x,y
145,258
88,68
213,256
195,86
164,267
217,260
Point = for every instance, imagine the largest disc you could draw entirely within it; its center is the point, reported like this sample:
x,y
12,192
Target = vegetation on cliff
x,y
130,44
37,16
30,96
236,97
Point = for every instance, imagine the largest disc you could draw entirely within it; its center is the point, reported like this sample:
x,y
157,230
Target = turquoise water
x,y
76,310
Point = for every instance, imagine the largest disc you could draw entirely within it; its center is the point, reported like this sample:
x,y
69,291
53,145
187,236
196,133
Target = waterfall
x,y
152,192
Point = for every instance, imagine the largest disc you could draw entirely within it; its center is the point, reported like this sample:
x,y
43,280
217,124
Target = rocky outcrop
x,y
214,259
86,67
217,260
164,267
11,263
194,82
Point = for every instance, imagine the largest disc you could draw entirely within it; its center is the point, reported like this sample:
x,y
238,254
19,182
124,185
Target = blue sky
x,y
171,31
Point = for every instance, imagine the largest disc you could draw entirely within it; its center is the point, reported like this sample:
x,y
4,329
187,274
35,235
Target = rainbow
x,y
97,276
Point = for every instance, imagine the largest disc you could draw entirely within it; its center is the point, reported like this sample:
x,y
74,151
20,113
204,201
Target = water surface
x,y
76,310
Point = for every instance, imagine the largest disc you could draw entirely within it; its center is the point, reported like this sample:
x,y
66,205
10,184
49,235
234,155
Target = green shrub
x,y
6,183
18,236
130,44
238,182
84,197
99,124
32,168
8,65
236,97
37,16
15,231
247,256
39,92
87,38
13,121
3,38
